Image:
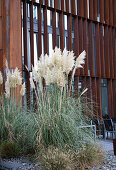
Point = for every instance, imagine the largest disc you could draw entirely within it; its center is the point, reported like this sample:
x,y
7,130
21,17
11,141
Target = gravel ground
x,y
110,161
18,164
26,164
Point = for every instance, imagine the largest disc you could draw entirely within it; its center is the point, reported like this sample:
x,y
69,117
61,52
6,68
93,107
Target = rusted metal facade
x,y
90,25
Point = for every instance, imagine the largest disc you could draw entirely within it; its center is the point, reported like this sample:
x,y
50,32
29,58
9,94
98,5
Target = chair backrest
x,y
108,124
96,122
114,120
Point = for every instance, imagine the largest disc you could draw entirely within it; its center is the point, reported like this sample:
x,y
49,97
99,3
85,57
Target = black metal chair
x,y
109,128
98,126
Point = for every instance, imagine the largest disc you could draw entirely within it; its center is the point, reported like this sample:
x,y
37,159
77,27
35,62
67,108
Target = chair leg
x,y
104,135
107,134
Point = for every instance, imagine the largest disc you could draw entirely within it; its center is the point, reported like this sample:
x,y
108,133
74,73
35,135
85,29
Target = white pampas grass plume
x,y
7,95
48,77
32,83
17,75
6,65
1,78
7,89
60,78
42,65
68,61
22,92
36,75
84,91
56,56
80,60
14,78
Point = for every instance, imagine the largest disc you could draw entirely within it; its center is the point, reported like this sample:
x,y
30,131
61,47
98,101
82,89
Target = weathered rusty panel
x,y
67,6
0,7
106,51
94,97
46,2
90,48
97,43
111,53
81,8
102,51
41,1
62,5
1,60
61,31
31,34
85,95
39,32
84,84
54,35
111,12
85,9
76,83
99,97
0,32
76,40
5,31
106,11
25,32
101,6
85,46
56,4
73,7
114,13
95,10
15,55
45,31
80,21
69,18
114,49
88,85
91,9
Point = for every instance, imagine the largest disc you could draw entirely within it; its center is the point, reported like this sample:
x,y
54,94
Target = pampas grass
x,y
54,121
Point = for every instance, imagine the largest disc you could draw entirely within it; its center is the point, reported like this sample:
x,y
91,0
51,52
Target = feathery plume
x,y
7,89
22,92
48,77
60,78
68,61
84,91
80,60
14,78
1,78
32,83
36,75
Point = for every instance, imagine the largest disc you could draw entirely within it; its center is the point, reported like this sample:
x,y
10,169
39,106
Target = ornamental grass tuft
x,y
54,122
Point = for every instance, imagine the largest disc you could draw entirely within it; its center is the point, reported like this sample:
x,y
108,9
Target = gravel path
x,y
110,161
26,164
18,164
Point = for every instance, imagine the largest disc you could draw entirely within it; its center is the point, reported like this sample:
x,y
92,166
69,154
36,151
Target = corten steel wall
x,y
10,34
94,28
1,36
